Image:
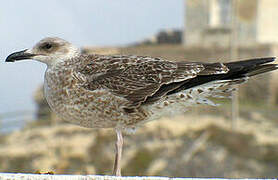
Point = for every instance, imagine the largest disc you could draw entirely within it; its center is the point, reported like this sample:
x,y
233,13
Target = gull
x,y
125,91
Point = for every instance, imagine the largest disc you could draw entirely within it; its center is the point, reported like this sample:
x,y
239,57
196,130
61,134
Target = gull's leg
x,y
119,146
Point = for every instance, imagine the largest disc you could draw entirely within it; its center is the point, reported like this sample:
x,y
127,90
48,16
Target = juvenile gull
x,y
123,92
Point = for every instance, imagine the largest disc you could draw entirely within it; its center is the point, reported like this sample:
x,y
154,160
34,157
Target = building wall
x,y
196,19
247,21
257,21
267,26
219,13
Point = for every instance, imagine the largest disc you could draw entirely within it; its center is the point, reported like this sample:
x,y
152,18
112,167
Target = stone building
x,y
208,22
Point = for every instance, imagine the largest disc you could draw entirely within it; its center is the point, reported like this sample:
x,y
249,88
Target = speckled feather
x,y
123,91
108,91
136,77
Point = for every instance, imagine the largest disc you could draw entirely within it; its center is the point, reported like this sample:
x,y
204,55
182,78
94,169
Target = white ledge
x,y
20,176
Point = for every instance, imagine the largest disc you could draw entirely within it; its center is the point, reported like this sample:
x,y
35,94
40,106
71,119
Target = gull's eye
x,y
47,46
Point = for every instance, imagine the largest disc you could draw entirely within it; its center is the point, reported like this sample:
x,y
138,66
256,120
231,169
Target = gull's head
x,y
49,50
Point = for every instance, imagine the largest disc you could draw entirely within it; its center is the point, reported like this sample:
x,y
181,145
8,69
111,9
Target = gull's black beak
x,y
19,56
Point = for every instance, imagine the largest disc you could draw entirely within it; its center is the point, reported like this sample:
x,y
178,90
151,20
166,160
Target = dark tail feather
x,y
250,62
262,69
237,70
250,67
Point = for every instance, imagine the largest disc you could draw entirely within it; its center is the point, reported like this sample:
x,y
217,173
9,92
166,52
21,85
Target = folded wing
x,y
143,79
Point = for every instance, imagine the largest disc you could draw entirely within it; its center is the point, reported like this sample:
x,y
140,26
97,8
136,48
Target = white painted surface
x,y
10,176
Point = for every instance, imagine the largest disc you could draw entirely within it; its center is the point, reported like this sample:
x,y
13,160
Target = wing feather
x,y
138,78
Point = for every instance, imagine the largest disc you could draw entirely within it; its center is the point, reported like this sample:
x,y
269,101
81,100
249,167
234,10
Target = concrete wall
x,y
267,27
257,21
196,20
9,176
247,21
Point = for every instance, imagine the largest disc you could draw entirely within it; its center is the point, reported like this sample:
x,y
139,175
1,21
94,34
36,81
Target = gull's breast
x,y
77,105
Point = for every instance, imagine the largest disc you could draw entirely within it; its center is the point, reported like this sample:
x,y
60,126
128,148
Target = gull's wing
x,y
137,78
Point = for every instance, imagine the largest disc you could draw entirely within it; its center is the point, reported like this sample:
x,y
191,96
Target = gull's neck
x,y
68,58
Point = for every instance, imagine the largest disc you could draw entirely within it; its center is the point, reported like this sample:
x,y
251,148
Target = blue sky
x,y
82,22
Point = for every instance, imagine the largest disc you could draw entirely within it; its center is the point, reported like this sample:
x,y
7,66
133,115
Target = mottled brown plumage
x,y
123,92
137,78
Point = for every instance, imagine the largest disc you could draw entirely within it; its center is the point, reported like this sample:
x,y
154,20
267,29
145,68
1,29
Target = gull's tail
x,y
250,67
220,85
210,84
239,72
